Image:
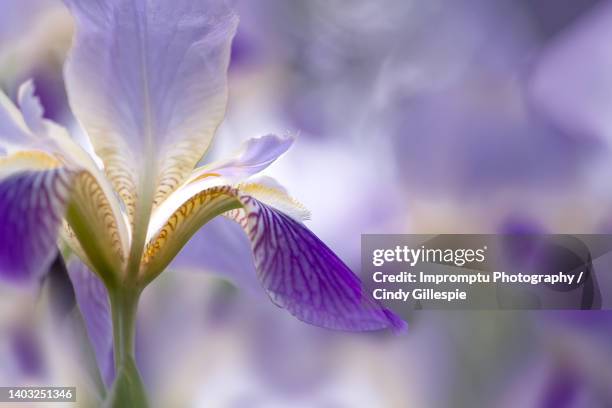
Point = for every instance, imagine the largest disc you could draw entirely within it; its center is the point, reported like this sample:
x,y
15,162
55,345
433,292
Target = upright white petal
x,y
147,79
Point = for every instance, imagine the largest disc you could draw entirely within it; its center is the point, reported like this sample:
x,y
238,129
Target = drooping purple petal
x,y
93,302
148,79
301,274
32,205
298,271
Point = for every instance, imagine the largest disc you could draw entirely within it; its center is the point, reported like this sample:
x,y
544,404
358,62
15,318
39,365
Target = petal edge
x,y
304,276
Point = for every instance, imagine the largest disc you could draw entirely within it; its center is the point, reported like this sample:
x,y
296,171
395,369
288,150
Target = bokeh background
x,y
412,116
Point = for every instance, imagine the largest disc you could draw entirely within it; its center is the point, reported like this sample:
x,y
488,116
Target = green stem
x,y
127,389
124,304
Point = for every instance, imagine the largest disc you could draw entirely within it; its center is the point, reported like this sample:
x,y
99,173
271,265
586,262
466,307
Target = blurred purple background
x,y
412,117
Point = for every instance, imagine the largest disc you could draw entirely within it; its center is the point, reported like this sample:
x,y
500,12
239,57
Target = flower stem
x,y
124,305
127,390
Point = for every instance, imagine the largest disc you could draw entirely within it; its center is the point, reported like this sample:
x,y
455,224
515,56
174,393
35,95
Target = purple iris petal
x,y
92,299
32,204
301,274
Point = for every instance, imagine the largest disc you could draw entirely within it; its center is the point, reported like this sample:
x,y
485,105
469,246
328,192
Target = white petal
x,y
148,82
254,156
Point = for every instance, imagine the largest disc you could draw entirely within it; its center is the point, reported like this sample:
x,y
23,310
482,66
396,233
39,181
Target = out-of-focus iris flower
x,y
147,81
572,78
34,39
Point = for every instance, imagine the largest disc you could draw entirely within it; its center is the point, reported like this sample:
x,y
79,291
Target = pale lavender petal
x,y
301,274
13,130
23,127
32,205
149,79
255,155
92,298
31,108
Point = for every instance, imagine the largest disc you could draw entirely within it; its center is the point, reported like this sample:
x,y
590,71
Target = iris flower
x,y
147,81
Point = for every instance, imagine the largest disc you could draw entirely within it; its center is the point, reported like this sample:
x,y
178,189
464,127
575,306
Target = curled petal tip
x,y
254,156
